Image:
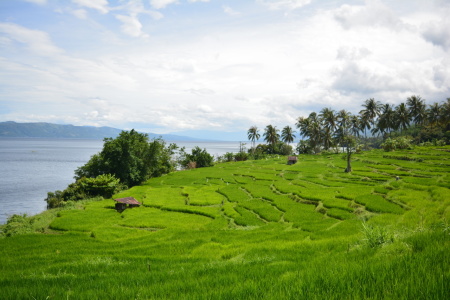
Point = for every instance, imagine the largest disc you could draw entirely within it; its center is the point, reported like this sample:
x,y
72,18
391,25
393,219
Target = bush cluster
x,y
103,185
132,158
398,143
198,158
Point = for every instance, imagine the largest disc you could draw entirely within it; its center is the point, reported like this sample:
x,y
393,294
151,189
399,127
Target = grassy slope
x,y
255,229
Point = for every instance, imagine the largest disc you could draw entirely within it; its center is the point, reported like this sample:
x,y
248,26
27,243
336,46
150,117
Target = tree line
x,y
132,158
125,161
376,121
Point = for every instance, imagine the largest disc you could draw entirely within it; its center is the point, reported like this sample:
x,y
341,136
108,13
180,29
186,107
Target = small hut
x,y
128,202
292,160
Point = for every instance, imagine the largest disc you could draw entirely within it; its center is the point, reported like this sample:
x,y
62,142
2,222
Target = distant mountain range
x,y
12,129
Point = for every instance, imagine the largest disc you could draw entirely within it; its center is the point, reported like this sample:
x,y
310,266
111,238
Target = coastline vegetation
x,y
255,229
363,225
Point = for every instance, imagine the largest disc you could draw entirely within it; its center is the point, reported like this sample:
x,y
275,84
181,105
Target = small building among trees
x,y
292,160
128,202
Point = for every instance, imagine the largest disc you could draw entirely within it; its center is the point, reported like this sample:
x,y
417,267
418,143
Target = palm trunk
x,y
349,161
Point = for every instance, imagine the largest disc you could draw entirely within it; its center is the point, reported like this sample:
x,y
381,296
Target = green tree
x,y
160,157
365,122
303,126
402,117
434,114
328,121
200,158
130,157
311,128
355,125
350,145
105,185
445,111
417,109
371,110
253,135
387,121
271,136
287,135
343,122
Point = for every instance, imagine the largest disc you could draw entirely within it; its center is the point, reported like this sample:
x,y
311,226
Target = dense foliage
x,y
104,185
198,158
329,129
125,161
248,230
130,157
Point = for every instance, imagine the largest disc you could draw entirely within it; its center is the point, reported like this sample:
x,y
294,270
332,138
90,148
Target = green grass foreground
x,y
250,230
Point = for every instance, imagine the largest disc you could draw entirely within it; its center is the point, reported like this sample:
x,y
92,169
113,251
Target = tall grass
x,y
247,230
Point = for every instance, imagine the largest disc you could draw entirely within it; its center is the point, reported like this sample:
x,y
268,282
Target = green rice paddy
x,y
249,230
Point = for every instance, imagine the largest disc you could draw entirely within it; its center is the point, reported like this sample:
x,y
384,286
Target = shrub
x,y
18,224
376,236
101,186
304,147
229,156
401,142
201,158
241,156
131,157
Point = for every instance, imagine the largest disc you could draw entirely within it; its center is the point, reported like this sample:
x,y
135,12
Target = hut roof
x,y
293,158
128,200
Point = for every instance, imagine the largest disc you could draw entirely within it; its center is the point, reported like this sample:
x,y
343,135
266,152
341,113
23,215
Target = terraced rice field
x,y
252,230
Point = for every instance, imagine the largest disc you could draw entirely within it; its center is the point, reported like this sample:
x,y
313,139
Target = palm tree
x,y
355,125
287,135
445,112
417,109
343,122
365,122
386,122
315,131
328,120
253,135
434,113
402,117
371,110
302,125
271,135
311,128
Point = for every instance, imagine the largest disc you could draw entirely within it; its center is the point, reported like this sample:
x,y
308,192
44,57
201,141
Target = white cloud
x,y
373,13
159,4
225,74
205,108
284,4
352,53
80,13
37,41
229,11
40,2
100,5
131,26
438,33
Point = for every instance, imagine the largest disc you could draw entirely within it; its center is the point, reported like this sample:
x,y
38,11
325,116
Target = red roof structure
x,y
292,160
128,200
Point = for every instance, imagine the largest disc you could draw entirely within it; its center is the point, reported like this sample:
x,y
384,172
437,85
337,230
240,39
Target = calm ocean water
x,y
29,168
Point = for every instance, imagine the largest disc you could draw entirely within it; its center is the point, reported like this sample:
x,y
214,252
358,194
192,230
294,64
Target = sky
x,y
214,68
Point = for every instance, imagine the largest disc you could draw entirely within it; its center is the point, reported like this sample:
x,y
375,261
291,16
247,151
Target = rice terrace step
x,y
250,230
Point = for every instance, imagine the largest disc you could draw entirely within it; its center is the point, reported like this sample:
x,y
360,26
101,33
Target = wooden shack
x,y
292,160
124,203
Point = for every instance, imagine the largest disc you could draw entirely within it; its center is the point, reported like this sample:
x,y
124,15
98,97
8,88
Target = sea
x,y
32,167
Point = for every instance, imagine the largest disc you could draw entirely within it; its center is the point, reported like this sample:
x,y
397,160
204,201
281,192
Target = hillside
x,y
12,129
249,230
